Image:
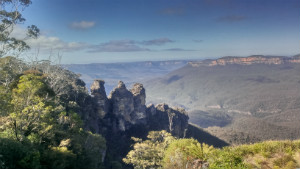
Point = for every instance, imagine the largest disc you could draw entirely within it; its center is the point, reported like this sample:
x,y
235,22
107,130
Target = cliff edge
x,y
254,59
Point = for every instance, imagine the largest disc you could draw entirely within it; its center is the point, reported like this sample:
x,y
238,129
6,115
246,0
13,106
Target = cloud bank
x,y
82,25
46,43
160,41
55,43
117,46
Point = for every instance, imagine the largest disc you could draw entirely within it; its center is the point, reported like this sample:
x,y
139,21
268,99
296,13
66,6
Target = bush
x,y
14,154
184,153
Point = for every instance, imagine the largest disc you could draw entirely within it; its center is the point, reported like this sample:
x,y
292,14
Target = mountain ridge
x,y
253,59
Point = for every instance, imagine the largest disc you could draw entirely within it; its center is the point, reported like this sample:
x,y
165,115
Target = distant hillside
x,y
129,73
255,97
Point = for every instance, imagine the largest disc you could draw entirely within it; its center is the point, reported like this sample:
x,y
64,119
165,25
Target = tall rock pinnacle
x,y
139,100
99,94
122,105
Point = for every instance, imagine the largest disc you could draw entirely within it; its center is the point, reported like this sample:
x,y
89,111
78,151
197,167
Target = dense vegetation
x,y
40,125
161,150
39,122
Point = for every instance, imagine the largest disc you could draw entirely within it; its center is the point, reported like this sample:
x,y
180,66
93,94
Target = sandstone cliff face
x,y
99,94
256,59
123,114
122,105
124,109
174,120
139,100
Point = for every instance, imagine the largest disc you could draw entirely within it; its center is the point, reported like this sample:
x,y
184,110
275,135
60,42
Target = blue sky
x,y
94,31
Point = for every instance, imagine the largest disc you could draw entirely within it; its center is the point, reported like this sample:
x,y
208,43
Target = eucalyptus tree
x,y
10,16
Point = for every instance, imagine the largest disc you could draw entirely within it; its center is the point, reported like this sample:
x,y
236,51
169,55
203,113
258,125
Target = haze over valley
x,y
129,73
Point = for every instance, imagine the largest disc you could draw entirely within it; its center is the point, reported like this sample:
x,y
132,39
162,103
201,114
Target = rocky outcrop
x,y
122,105
174,120
124,109
139,100
255,59
123,115
99,94
128,106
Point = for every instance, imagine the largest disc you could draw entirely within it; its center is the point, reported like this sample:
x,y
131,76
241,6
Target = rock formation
x,y
99,94
123,109
122,106
174,120
139,100
123,114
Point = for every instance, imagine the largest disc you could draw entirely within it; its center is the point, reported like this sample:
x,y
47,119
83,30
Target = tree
x,y
10,68
14,154
31,114
42,128
149,153
10,16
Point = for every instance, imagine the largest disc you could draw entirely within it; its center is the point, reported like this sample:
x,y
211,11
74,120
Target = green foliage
x,y
58,157
5,98
10,69
226,158
14,154
268,154
41,128
183,153
10,16
31,114
89,148
149,153
189,153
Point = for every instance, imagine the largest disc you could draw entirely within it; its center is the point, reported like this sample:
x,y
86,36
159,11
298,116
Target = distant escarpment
x,y
240,100
254,59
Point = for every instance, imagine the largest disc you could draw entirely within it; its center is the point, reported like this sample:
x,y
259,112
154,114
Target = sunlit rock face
x,y
124,108
99,94
122,105
139,100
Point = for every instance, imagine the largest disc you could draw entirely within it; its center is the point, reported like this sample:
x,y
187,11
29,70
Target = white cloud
x,y
44,42
117,46
54,43
82,25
